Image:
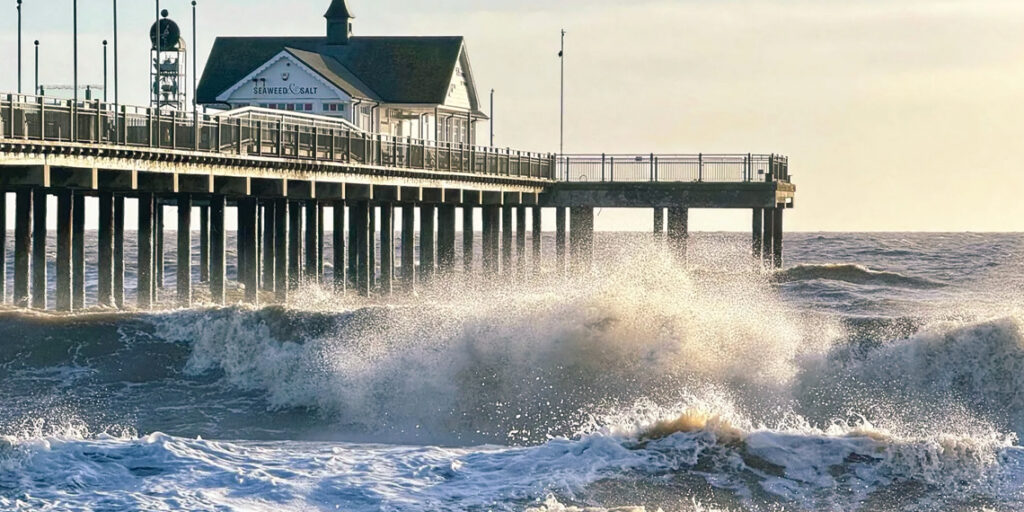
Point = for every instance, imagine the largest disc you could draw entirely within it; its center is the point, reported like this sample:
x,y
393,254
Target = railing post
x,y
700,167
238,136
280,137
42,118
333,144
217,139
195,130
657,161
10,115
174,129
99,122
149,126
348,146
316,133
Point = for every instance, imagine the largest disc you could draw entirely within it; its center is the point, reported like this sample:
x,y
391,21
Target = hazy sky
x,y
896,114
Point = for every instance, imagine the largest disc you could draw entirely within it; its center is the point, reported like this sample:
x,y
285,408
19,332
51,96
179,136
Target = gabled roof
x,y
410,70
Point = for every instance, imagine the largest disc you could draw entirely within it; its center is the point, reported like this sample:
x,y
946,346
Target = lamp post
x,y
19,46
104,71
194,51
74,15
37,91
492,118
561,122
115,56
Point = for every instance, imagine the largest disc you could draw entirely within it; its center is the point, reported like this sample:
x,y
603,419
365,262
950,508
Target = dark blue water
x,y
875,372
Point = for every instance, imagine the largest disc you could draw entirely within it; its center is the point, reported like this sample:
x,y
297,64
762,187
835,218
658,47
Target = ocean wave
x,y
851,273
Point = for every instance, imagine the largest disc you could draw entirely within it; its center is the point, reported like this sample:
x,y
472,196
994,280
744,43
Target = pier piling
x,y
756,234
446,238
468,239
269,244
362,239
144,250
679,231
520,242
77,250
158,246
119,251
767,232
281,250
777,238
248,208
105,250
22,245
408,247
184,256
204,244
560,222
312,240
490,239
581,238
64,241
427,249
506,241
387,248
338,247
39,249
294,244
537,238
218,242
659,223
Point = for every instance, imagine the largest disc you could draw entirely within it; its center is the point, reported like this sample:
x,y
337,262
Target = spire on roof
x,y
338,10
339,24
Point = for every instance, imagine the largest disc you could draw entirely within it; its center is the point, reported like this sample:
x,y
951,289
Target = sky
x,y
896,115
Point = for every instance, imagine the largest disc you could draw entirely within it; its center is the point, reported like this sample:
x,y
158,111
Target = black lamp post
x,y
74,14
37,91
194,53
104,71
19,46
115,54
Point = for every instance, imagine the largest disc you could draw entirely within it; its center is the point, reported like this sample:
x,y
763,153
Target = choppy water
x,y
877,372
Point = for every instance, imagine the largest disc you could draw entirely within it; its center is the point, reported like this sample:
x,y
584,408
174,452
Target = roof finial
x,y
338,10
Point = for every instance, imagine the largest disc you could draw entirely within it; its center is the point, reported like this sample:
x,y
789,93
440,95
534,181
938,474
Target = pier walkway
x,y
284,171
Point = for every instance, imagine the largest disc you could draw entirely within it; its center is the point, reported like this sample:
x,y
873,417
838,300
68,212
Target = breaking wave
x,y
856,274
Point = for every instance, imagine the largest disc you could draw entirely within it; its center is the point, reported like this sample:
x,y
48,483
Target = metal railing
x,y
39,118
710,168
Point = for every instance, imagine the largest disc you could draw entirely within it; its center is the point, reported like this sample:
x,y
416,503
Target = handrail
x,y
29,117
651,167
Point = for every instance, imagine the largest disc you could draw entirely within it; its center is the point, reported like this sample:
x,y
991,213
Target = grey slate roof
x,y
414,70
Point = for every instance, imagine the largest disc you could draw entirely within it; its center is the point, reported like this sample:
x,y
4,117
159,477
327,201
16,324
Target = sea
x,y
873,372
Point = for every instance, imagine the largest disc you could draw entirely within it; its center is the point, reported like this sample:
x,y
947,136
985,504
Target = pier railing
x,y
712,168
270,134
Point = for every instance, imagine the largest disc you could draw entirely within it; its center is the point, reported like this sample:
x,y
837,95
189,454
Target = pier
x,y
284,173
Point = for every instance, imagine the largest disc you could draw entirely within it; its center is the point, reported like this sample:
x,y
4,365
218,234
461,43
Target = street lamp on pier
x,y
19,46
37,91
104,71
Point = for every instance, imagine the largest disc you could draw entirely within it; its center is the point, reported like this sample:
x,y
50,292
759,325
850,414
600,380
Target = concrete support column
x,y
22,246
490,236
3,245
427,212
340,281
78,251
218,243
581,237
408,247
521,241
506,240
537,237
468,237
777,237
39,249
281,250
659,223
353,249
204,244
387,248
144,251
294,244
247,210
312,241
767,232
756,233
158,245
560,223
446,238
119,251
678,231
184,263
363,239
320,242
105,248
269,244
372,246
64,242
239,246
